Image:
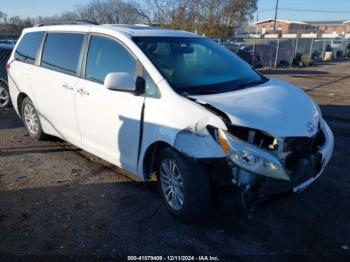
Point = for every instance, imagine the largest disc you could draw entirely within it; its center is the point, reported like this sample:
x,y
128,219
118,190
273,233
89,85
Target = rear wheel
x,y
5,100
184,186
31,119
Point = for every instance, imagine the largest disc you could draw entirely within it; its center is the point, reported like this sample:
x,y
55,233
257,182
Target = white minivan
x,y
172,105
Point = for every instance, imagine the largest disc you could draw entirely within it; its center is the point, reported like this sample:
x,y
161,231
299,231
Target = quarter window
x,y
151,88
108,56
28,47
62,51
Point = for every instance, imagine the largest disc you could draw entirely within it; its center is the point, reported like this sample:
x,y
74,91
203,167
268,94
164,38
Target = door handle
x,y
67,86
81,91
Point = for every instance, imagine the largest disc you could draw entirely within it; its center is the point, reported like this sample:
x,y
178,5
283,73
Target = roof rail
x,y
86,21
140,24
67,22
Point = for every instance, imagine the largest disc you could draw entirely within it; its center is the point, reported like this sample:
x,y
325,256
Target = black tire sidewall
x,y
197,195
40,133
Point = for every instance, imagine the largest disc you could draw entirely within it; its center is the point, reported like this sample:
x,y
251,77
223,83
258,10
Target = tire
x,y
195,186
31,120
5,100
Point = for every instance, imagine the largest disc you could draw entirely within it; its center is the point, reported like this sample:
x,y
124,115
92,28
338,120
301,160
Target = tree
x,y
3,16
212,17
112,11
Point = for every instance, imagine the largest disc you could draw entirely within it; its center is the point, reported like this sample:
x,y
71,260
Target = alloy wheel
x,y
31,119
172,184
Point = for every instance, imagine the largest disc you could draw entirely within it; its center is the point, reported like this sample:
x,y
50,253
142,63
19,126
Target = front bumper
x,y
326,152
273,188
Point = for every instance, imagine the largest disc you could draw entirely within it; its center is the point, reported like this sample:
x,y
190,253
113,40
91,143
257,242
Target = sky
x,y
333,9
30,8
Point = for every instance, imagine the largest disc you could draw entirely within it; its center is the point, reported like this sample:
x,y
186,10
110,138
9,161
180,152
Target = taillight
x,y
8,66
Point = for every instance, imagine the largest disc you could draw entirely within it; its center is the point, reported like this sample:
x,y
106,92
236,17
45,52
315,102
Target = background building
x,y
347,26
292,27
328,27
282,26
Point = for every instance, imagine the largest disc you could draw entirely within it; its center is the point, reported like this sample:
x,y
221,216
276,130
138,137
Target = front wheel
x,y
184,186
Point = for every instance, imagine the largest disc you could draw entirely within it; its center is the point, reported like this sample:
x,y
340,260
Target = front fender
x,y
195,145
180,123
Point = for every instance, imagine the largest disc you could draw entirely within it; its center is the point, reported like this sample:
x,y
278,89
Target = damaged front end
x,y
276,141
266,167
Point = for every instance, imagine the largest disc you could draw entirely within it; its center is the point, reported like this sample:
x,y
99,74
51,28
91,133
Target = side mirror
x,y
122,81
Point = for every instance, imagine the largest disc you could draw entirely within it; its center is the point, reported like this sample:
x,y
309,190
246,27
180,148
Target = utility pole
x,y
257,19
195,25
274,23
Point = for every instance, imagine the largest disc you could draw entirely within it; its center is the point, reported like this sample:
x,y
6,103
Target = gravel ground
x,y
58,202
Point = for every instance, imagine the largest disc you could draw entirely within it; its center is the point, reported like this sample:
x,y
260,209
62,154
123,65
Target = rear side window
x,y
28,47
106,56
62,51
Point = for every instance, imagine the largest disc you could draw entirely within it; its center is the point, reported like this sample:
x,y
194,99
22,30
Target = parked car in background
x,y
239,42
246,53
347,51
337,43
5,53
232,47
8,41
316,55
171,104
264,54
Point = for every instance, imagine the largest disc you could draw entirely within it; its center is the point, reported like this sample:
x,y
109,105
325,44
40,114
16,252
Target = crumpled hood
x,y
276,107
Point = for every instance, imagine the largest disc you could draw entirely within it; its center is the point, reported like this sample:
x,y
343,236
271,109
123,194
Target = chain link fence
x,y
6,46
273,52
285,52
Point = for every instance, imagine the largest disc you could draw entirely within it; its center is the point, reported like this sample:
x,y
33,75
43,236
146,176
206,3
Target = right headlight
x,y
250,157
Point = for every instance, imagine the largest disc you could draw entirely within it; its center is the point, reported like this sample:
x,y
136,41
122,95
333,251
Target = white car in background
x,y
171,104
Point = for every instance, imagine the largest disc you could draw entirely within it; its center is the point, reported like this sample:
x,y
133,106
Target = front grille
x,y
304,145
303,156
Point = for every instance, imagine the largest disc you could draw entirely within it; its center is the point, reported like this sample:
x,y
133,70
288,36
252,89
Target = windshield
x,y
198,65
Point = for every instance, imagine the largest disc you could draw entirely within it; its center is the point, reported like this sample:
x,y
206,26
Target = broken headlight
x,y
250,157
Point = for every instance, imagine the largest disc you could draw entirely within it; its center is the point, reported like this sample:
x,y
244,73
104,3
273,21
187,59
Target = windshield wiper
x,y
185,94
199,92
252,83
240,86
205,92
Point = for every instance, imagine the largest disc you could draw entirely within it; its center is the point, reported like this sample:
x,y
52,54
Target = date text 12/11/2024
x,y
173,258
